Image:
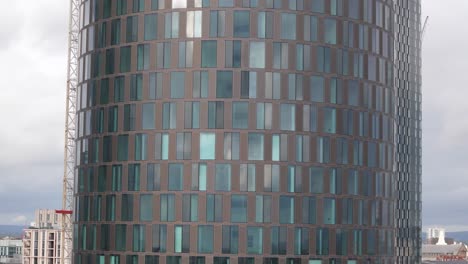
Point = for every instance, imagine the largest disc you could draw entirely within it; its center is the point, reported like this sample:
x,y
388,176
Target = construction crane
x,y
70,133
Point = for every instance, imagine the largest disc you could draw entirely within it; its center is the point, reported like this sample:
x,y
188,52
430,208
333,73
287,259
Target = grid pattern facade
x,y
408,138
222,131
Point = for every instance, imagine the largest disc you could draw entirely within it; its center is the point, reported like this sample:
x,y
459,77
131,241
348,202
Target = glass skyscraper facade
x,y
248,131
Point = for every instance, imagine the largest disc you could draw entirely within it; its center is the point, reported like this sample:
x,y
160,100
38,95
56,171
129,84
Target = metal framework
x,y
70,133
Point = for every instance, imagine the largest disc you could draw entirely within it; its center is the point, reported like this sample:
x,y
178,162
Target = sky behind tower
x,y
33,57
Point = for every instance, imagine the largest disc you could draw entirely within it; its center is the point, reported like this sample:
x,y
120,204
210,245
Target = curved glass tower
x,y
247,131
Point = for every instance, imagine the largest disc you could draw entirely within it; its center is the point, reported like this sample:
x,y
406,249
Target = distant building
x,y
42,240
444,252
10,250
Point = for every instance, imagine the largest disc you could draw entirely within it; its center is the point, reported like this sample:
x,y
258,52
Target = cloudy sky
x,y
32,102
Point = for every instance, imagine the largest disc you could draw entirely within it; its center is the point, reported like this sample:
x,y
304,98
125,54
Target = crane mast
x,y
70,133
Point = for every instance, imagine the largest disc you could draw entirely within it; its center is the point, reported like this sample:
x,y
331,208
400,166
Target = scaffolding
x,y
70,133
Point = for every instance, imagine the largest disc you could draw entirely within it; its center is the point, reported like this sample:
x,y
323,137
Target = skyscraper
x,y
248,131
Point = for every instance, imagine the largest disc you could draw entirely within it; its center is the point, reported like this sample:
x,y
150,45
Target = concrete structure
x,y
11,250
253,131
42,240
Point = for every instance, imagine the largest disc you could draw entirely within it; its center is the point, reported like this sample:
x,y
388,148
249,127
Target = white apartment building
x,y
42,241
11,250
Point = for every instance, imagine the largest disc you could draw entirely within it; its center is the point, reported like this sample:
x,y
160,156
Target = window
x,y
125,59
265,25
225,3
279,240
110,207
148,116
209,54
177,85
129,117
316,180
217,23
194,24
171,29
271,178
322,241
190,207
184,146
159,237
167,207
323,149
263,209
146,207
185,54
151,27
132,28
200,84
116,178
309,210
198,177
247,177
329,211
133,177
230,242
255,151
223,177
175,177
112,119
192,115
231,146
115,32
153,177
310,28
288,26
215,114
317,84
182,238
224,84
286,209
257,55
318,6
161,146
233,53
121,7
179,3
207,146
214,208
238,208
241,24
163,55
141,143
143,57
240,115
136,87
127,207
138,5
323,59
329,120
294,179
330,31
122,147
248,84
288,117
254,240
120,237
169,115
205,239
138,238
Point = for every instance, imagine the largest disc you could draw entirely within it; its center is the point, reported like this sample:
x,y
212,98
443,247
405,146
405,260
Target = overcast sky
x,y
33,36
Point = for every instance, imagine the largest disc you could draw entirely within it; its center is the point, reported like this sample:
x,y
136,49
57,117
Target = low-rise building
x,y
11,250
444,252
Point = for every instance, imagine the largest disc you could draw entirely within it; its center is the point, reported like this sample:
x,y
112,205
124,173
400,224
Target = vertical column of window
x,y
141,141
185,54
119,91
247,178
263,209
322,241
163,57
143,57
155,85
175,177
255,146
161,146
177,88
238,208
194,24
209,54
248,84
207,146
272,85
148,116
341,150
294,179
254,240
309,210
129,117
240,115
121,7
241,24
205,239
330,31
104,91
116,178
217,23
279,236
159,238
257,55
222,180
122,147
280,55
146,207
136,87
323,149
110,207
169,115
233,53
138,238
302,148
110,61
288,117
310,28
288,26
192,115
323,59
182,239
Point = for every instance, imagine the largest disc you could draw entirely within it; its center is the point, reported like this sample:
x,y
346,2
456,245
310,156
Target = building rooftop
x,y
442,249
